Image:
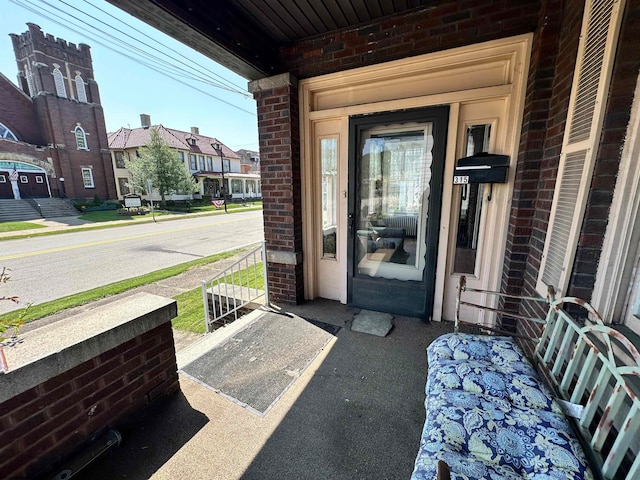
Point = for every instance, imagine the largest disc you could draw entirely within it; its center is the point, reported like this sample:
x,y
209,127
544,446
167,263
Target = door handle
x,y
352,223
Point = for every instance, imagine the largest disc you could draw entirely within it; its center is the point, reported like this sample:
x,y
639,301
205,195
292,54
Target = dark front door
x,y
33,185
5,186
396,163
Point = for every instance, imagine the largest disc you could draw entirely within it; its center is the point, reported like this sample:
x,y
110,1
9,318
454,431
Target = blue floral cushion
x,y
489,416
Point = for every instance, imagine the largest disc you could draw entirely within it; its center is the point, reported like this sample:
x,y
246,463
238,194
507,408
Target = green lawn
x,y
190,309
17,226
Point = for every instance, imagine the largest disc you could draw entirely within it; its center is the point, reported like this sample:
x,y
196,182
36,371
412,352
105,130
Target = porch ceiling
x,y
245,35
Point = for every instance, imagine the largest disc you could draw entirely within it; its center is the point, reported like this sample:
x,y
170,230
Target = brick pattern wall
x,y
546,123
547,96
62,116
44,49
18,115
279,137
444,25
41,425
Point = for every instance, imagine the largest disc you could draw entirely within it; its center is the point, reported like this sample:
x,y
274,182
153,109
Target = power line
x,y
228,82
212,82
64,23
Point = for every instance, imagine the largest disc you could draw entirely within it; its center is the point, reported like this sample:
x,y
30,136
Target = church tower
x,y
69,121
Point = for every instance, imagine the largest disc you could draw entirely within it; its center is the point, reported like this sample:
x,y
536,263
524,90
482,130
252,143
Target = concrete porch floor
x,y
356,412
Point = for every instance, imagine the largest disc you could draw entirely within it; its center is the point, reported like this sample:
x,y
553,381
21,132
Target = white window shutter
x,y
598,40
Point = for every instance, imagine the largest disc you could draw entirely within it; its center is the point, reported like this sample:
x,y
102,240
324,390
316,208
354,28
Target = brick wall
x,y
548,87
18,115
279,138
42,425
444,25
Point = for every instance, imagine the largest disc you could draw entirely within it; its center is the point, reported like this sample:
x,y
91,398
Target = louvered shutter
x,y
600,27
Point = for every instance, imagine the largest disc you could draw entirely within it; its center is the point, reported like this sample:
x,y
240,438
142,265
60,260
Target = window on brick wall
x,y
601,24
82,93
58,80
81,138
29,76
6,133
87,178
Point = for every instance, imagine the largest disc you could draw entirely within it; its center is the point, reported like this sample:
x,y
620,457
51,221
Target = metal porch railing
x,y
232,290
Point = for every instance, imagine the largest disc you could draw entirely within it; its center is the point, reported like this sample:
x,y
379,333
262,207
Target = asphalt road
x,y
50,267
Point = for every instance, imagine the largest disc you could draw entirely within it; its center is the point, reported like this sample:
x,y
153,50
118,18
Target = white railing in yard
x,y
230,291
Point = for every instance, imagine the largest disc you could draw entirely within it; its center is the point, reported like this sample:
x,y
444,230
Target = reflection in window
x,y
123,183
87,178
329,186
236,186
120,160
394,190
470,205
251,188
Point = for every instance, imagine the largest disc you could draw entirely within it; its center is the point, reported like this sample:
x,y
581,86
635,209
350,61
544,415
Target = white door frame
x,y
490,70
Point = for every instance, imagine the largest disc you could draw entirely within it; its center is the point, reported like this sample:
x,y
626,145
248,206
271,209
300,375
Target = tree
x,y
160,164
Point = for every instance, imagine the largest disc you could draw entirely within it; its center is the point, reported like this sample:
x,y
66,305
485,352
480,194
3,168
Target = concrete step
x,y
53,207
12,210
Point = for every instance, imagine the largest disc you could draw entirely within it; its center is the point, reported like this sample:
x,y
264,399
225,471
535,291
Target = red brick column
x,y
278,127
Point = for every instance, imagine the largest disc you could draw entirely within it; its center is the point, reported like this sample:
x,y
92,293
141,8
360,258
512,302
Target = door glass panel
x,y
329,178
393,185
470,209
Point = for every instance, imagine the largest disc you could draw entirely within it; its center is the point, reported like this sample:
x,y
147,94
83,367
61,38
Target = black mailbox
x,y
481,168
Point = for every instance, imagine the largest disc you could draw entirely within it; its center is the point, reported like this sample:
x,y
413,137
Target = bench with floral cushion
x,y
489,414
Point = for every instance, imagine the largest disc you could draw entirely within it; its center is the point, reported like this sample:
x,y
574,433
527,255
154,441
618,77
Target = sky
x,y
128,86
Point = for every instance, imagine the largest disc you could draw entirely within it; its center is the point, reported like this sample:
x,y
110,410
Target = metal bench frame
x,y
594,369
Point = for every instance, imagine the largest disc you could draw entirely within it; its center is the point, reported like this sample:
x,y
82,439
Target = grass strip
x,y
42,310
190,309
17,226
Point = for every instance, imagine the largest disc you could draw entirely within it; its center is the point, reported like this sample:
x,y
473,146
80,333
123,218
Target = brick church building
x,y
53,139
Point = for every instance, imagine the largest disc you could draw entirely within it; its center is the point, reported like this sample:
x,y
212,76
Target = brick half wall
x,y
71,381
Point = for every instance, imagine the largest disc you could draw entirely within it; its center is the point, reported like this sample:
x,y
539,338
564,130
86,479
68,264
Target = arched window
x,y
6,133
29,76
81,138
59,81
82,93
